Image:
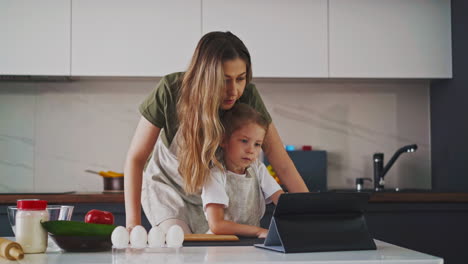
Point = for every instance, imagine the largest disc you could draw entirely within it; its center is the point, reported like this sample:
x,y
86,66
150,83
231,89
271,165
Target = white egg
x,y
175,236
120,237
138,237
156,237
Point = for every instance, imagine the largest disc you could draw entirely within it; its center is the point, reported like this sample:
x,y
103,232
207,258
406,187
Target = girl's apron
x,y
246,201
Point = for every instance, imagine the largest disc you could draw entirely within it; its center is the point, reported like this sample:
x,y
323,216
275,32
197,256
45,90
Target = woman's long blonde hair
x,y
202,90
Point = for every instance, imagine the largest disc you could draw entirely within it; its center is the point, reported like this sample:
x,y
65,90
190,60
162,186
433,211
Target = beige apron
x,y
163,196
246,201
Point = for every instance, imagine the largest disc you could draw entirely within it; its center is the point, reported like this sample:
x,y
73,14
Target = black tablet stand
x,y
315,222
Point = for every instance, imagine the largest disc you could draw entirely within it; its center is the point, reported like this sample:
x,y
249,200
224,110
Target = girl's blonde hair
x,y
241,115
198,106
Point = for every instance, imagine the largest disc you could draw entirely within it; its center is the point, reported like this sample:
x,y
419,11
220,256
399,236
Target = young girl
x,y
235,195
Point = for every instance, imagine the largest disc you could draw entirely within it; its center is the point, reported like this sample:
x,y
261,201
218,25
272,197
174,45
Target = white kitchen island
x,y
385,253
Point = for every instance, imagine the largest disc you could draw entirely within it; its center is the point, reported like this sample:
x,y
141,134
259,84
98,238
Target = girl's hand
x,y
262,233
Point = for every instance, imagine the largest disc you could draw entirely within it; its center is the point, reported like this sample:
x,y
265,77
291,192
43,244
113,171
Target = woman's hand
x,y
262,233
130,226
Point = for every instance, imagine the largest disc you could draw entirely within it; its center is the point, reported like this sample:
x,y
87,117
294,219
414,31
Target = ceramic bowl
x,y
82,243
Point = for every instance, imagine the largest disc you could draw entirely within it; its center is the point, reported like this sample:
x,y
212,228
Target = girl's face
x,y
243,147
235,74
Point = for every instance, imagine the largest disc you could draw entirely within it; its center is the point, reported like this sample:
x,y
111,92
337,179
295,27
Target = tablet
x,y
316,222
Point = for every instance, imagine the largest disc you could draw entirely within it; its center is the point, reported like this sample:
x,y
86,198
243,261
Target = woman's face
x,y
235,75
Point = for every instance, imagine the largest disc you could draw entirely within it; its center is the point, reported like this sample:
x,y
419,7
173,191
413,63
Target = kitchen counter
x,y
385,253
66,198
418,197
434,223
384,197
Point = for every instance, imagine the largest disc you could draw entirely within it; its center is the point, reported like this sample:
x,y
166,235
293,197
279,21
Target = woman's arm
x,y
282,164
219,226
141,146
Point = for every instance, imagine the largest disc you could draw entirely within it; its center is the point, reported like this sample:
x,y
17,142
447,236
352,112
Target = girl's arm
x,y
141,146
274,197
219,226
282,164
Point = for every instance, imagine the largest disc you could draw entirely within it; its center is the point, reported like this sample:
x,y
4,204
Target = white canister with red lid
x,y
29,232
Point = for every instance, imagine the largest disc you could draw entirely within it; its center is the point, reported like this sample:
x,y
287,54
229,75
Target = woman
x,y
181,126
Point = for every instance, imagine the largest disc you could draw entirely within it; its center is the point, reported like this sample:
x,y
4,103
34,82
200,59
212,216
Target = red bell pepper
x,y
99,217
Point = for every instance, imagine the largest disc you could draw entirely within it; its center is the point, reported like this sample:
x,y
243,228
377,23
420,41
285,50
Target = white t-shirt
x,y
214,190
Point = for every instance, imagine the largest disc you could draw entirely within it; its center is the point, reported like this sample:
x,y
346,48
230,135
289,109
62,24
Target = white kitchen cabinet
x,y
285,38
390,39
35,37
133,38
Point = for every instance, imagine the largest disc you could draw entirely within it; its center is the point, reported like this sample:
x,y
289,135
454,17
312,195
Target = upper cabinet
x,y
133,38
285,38
35,37
390,39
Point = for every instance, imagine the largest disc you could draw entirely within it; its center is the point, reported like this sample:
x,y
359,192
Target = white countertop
x,y
385,253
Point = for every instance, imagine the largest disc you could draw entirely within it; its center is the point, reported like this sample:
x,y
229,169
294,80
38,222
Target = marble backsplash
x,y
50,132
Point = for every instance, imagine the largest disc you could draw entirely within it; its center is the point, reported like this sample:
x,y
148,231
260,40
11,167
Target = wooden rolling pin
x,y
10,250
209,237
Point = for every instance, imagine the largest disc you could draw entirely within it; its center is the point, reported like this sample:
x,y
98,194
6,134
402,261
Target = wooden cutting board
x,y
209,237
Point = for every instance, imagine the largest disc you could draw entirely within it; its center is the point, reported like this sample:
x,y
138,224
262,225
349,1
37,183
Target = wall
x,y
448,112
50,132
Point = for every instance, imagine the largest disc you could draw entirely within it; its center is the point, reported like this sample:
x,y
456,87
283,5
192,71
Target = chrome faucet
x,y
380,170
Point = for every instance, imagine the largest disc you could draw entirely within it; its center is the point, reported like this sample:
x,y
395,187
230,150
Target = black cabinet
x,y
438,229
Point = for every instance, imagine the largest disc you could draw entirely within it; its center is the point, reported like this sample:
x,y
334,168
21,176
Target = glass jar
x,y
29,232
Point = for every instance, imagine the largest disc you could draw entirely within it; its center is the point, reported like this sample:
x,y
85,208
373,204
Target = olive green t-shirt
x,y
160,107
